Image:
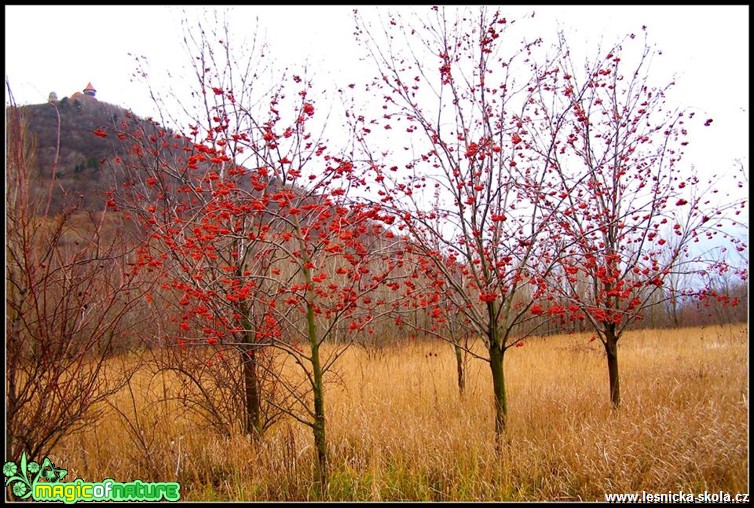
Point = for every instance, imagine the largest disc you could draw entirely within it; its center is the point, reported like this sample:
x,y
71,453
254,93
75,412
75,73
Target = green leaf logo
x,y
24,476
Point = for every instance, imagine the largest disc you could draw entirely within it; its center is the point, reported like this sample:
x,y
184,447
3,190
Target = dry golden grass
x,y
398,430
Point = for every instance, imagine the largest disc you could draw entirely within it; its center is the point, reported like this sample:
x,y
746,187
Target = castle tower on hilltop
x,y
87,97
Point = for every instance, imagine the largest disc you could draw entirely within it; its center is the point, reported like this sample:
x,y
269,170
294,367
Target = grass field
x,y
398,429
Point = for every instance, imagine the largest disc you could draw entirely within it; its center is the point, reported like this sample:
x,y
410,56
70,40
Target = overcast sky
x,y
62,48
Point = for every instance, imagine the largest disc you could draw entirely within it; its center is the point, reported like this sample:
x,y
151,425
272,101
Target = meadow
x,y
399,430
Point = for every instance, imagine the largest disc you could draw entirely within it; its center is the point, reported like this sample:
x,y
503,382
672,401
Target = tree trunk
x,y
497,355
674,307
611,348
320,443
253,399
460,369
252,383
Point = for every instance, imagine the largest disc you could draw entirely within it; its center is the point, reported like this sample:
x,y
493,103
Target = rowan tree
x,y
637,218
188,189
456,87
255,226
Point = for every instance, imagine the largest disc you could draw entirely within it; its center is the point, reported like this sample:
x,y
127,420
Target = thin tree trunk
x,y
674,307
318,428
611,348
252,383
253,399
460,369
317,374
498,385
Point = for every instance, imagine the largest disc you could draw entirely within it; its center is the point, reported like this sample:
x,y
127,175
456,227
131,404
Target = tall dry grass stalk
x,y
400,431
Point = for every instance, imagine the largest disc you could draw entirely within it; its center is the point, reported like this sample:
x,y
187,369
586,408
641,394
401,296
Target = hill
x,y
69,155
